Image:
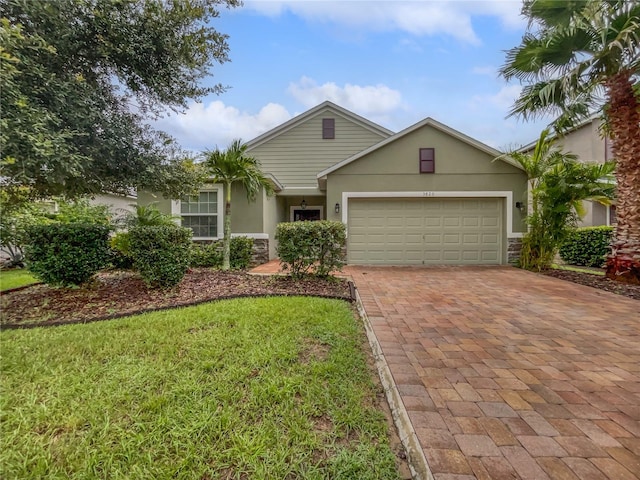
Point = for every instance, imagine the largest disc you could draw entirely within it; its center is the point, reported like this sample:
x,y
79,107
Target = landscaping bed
x,y
119,293
596,281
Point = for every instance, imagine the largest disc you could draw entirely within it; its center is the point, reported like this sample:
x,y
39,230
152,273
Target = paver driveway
x,y
509,374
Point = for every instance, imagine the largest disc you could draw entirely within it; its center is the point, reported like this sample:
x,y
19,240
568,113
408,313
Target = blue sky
x,y
392,62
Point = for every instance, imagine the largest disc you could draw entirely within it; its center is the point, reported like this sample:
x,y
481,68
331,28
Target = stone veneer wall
x,y
260,252
513,250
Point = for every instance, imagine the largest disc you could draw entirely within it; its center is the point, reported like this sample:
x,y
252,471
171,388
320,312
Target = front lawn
x,y
247,388
15,278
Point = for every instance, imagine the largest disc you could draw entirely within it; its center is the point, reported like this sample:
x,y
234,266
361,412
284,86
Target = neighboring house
x,y
425,195
118,204
587,142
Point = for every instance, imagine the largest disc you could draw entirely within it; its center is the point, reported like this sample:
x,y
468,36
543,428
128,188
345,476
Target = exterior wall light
x,y
303,204
337,208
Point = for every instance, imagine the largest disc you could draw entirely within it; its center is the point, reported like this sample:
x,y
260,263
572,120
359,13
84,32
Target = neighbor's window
x,y
427,160
200,214
613,219
328,128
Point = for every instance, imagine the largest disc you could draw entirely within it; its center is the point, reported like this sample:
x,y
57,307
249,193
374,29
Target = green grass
x,y
250,388
15,278
573,268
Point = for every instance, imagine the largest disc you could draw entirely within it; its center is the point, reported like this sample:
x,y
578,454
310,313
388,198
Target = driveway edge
x,y
415,456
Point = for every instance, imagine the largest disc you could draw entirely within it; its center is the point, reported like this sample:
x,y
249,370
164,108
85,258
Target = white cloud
x,y
204,127
487,70
503,100
368,101
425,17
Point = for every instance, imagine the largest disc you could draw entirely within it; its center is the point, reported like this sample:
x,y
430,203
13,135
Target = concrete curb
x,y
415,456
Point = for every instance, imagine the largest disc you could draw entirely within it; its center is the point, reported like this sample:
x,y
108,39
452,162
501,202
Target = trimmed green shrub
x,y
241,250
160,253
67,254
209,255
311,247
587,246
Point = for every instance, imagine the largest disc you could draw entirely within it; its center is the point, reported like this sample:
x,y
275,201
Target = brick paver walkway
x,y
506,374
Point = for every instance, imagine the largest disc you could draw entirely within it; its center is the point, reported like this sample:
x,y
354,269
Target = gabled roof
x,y
295,121
426,122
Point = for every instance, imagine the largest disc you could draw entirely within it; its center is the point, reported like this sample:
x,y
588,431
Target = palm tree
x,y
145,216
558,183
582,57
230,166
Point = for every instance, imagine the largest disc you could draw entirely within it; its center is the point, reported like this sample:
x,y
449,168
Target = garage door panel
x,y
490,238
470,221
490,221
471,239
471,255
425,231
490,256
452,256
433,257
451,238
449,221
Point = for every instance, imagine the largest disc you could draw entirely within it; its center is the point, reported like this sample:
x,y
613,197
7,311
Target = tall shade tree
x,y
82,79
558,183
580,57
234,166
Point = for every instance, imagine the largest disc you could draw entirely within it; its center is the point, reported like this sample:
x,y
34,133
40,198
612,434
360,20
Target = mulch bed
x,y
118,293
597,281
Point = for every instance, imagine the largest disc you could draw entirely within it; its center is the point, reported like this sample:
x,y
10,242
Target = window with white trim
x,y
202,213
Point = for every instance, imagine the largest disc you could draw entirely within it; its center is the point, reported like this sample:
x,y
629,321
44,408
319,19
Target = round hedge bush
x,y
66,254
160,253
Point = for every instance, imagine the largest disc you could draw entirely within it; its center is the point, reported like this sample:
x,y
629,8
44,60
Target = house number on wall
x,y
429,194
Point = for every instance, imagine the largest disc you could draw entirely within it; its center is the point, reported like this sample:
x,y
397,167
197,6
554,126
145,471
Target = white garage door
x,y
425,231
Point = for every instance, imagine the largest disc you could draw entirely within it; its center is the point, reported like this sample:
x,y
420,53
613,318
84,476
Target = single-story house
x,y
428,195
588,143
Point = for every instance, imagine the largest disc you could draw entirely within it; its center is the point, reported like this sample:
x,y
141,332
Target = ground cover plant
x,y
245,388
15,278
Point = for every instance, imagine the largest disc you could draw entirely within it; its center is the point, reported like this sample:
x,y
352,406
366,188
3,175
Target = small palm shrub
x,y
143,215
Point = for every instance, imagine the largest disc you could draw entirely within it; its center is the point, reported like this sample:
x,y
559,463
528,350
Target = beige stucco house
x,y
425,195
590,145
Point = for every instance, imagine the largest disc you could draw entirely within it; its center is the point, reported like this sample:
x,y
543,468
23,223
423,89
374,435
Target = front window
x,y
201,213
427,160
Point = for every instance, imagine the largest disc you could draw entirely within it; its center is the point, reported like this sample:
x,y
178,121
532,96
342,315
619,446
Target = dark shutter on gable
x,y
328,128
427,160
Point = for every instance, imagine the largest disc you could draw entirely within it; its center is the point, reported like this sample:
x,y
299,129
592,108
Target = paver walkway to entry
x,y
507,374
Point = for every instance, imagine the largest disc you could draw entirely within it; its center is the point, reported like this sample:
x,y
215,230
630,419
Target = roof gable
x,y
303,117
426,122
